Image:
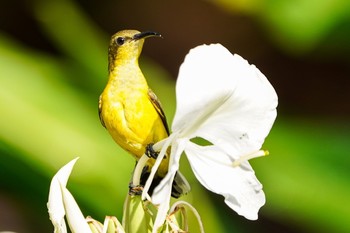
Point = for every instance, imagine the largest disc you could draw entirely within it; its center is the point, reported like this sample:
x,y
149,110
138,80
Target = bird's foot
x,y
135,190
150,152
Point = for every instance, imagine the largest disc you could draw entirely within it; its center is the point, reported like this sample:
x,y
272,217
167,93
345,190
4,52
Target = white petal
x,y
75,218
161,214
163,190
55,203
241,189
166,142
223,99
162,193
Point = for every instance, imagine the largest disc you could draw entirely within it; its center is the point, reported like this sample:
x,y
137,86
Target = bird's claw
x,y
135,190
150,152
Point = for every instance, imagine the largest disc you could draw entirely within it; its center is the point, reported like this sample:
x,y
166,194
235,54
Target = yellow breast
x,y
131,119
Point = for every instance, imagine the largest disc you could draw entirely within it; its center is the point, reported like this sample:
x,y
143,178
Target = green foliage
x,y
297,26
306,178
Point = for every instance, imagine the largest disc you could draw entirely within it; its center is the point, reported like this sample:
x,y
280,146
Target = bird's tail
x,y
180,184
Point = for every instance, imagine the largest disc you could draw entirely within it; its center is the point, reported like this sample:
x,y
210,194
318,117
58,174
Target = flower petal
x,y
241,189
233,105
162,193
55,203
75,218
164,188
161,214
165,144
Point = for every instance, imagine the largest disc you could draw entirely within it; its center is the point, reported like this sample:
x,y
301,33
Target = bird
x,y
131,111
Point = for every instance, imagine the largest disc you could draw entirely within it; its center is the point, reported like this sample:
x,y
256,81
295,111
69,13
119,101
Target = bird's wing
x,y
100,111
159,109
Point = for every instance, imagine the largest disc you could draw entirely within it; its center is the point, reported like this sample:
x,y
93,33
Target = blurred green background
x,y
53,66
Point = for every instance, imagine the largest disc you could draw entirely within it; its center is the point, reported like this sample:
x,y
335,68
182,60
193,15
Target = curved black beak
x,y
145,34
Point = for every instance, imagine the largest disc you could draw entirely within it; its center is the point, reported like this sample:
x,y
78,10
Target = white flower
x,y
229,103
61,203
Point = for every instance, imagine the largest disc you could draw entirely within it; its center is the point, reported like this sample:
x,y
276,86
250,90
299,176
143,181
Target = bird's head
x,y
127,45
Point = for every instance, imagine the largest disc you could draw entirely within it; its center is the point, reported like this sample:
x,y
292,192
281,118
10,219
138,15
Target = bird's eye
x,y
120,40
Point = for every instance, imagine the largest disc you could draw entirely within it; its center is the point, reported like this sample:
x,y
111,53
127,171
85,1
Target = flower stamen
x,y
247,157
